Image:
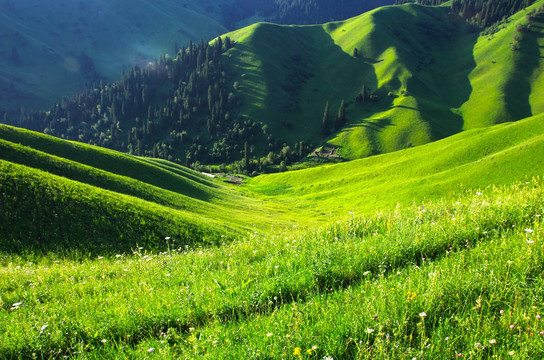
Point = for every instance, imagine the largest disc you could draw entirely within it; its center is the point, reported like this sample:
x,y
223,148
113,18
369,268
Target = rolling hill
x,y
434,76
428,252
255,101
107,255
50,184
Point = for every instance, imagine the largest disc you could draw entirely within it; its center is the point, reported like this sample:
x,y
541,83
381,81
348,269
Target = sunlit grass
x,y
354,290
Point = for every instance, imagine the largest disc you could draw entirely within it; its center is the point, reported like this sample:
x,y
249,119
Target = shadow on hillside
x,y
518,88
376,125
444,85
438,51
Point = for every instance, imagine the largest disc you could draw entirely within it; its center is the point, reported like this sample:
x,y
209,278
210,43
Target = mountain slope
x,y
429,70
474,159
57,49
59,194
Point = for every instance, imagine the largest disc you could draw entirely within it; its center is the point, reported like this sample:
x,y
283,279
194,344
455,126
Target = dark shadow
x,y
404,107
518,88
438,51
376,125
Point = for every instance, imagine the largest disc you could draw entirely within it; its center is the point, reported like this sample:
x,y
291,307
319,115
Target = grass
x,y
57,171
472,159
428,252
353,290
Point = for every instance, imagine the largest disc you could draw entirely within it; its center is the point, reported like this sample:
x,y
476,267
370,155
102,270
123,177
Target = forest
x,y
181,109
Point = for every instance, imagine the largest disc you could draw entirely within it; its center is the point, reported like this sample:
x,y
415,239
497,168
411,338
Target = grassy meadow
x,y
458,277
411,254
433,251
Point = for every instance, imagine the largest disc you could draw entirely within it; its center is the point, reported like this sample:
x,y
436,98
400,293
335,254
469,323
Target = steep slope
x,y
56,49
432,74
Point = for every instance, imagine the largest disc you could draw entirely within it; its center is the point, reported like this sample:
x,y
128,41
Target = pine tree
x,y
341,116
325,127
246,157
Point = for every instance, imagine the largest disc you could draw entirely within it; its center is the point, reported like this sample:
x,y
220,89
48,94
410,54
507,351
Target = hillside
x,y
402,283
73,197
106,255
80,184
265,97
433,75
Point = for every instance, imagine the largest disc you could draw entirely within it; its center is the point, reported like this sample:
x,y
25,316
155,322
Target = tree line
x,y
483,13
183,109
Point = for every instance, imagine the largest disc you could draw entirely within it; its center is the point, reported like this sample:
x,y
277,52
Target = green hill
x,y
107,255
433,75
258,97
63,195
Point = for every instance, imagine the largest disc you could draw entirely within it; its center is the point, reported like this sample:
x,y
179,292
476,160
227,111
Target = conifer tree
x,y
341,116
325,128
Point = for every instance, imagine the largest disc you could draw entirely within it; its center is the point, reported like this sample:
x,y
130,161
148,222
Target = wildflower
x,y
269,334
43,328
366,273
447,338
459,355
492,341
150,350
538,317
511,326
375,316
167,238
423,315
511,353
478,193
369,330
297,351
530,242
103,341
541,333
118,256
529,231
327,358
501,312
